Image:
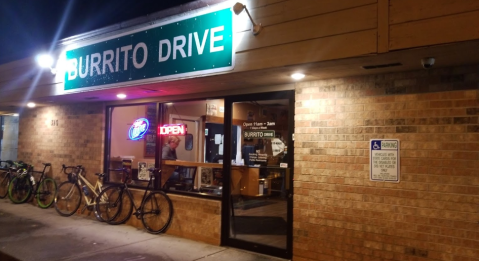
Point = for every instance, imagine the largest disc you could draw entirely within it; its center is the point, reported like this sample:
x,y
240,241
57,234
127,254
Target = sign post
x,y
384,160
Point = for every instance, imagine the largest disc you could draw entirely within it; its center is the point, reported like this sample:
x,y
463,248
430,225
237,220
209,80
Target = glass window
x,y
132,142
192,136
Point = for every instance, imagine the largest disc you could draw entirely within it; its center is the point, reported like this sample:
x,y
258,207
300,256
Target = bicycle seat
x,y
47,164
101,175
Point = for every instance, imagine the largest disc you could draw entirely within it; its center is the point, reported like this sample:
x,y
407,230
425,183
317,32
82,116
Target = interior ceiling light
x,y
297,76
238,8
121,96
31,105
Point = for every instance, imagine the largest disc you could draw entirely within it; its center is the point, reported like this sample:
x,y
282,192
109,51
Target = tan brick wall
x,y
63,134
432,213
193,218
74,134
196,218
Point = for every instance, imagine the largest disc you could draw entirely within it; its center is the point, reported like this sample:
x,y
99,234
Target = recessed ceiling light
x,y
121,96
15,114
297,76
31,105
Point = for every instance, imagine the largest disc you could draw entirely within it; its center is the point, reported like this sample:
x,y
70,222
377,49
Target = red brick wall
x,y
432,213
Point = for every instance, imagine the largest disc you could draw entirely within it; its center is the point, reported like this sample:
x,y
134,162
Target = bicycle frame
x,y
37,185
138,210
89,201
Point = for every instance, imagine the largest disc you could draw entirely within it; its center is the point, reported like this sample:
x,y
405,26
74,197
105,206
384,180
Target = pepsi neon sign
x,y
138,129
173,129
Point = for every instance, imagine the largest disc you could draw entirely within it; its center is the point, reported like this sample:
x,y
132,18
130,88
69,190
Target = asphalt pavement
x,y
30,233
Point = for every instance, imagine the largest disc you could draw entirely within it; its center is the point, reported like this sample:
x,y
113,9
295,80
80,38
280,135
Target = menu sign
x,y
264,134
261,134
258,130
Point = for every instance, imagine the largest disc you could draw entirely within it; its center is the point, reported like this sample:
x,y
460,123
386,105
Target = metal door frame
x,y
226,202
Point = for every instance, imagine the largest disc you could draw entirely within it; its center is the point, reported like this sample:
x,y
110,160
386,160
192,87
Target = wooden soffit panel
x,y
402,11
276,12
440,30
315,50
335,23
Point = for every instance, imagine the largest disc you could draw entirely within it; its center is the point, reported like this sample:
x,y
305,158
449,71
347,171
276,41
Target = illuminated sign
x,y
138,129
199,45
173,129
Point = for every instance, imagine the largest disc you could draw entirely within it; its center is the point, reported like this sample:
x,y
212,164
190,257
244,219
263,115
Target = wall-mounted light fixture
x,y
46,61
238,8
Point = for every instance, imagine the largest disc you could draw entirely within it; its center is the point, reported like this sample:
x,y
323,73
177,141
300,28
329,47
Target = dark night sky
x,y
28,25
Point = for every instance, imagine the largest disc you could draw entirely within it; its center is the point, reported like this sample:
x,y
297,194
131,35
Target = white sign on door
x,y
384,160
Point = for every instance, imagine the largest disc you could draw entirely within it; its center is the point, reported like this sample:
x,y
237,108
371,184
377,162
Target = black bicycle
x,y
24,185
155,211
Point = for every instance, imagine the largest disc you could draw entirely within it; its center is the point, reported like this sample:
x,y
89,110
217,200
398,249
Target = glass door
x,y
259,201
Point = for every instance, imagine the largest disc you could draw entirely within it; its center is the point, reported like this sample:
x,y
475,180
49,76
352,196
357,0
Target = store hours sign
x,y
195,46
384,160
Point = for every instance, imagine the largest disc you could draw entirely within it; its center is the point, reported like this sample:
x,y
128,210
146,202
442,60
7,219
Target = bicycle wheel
x,y
68,198
113,205
107,203
157,211
20,189
125,207
46,193
4,181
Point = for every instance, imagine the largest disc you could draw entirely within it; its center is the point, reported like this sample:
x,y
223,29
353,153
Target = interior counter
x,y
245,180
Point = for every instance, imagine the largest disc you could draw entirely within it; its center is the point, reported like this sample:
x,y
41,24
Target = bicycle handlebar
x,y
65,168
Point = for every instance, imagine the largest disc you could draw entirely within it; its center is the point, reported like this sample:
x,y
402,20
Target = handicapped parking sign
x,y
384,160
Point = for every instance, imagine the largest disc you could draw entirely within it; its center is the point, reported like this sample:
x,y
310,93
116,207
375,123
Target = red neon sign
x,y
173,129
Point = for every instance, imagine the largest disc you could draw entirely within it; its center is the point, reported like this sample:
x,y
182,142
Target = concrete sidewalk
x,y
30,233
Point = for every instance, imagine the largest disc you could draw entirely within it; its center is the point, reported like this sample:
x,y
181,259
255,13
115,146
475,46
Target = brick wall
x,y
193,218
74,134
432,213
63,134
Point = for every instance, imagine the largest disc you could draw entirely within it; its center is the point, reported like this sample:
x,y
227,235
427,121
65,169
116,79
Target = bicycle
x,y
6,175
155,211
68,198
24,185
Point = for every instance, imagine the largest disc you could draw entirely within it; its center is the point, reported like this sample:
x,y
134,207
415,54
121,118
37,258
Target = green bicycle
x,y
24,185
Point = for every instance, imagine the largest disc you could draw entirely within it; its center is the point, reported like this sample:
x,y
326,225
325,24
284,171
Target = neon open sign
x,y
173,129
138,129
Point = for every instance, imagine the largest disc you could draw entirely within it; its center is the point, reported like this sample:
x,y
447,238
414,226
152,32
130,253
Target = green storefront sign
x,y
198,45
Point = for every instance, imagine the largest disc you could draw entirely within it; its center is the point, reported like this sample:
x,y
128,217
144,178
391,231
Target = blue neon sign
x,y
138,129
